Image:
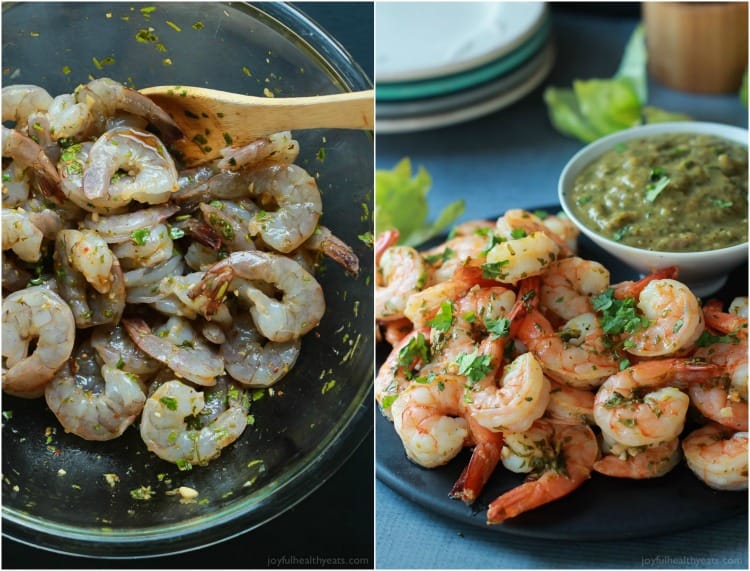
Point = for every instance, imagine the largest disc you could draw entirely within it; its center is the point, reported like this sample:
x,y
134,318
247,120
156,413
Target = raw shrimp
x,y
575,356
638,463
516,402
20,235
718,456
16,186
570,406
254,361
563,464
28,154
638,407
35,314
68,118
675,320
326,242
20,101
427,417
168,413
70,166
128,164
81,259
401,272
181,349
116,348
278,147
569,284
516,259
94,401
291,205
298,311
148,248
178,300
105,97
14,276
231,222
120,227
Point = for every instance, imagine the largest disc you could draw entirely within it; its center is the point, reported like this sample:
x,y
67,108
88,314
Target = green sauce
x,y
671,193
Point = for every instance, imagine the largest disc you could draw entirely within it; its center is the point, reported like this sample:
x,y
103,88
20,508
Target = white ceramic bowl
x,y
704,272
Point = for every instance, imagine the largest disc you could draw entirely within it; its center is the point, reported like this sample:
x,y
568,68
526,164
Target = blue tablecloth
x,y
513,158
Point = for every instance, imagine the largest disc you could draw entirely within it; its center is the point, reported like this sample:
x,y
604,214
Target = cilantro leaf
x,y
416,348
618,315
444,317
473,365
493,270
497,327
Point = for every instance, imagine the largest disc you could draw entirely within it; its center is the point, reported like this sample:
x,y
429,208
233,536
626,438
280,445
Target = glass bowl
x,y
704,272
56,491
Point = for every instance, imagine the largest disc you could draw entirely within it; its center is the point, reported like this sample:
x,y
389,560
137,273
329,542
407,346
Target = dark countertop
x,y
337,521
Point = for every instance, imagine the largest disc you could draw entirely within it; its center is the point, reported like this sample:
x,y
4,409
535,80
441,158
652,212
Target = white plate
x,y
467,97
461,114
421,40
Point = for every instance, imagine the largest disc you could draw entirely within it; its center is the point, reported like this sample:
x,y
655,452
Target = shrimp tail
x,y
340,252
214,286
531,495
484,459
633,289
384,241
720,321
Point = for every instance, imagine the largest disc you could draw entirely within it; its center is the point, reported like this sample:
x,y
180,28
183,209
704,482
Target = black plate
x,y
603,508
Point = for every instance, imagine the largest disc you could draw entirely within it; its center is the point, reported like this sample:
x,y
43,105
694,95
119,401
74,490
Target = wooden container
x,y
697,46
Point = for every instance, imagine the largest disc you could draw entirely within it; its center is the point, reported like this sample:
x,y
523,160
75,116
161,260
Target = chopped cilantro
x,y
416,348
169,402
444,317
497,327
473,365
176,233
140,236
492,270
517,233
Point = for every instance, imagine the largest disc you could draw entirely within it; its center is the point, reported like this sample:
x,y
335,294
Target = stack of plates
x,y
439,63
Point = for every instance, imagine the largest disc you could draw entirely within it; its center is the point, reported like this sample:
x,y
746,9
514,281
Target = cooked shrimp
x,y
675,320
20,101
517,222
738,307
394,375
444,260
401,272
254,361
568,405
298,311
639,463
28,154
563,463
164,424
34,315
562,226
427,418
484,458
569,284
718,456
575,356
291,205
520,397
421,306
516,259
180,349
278,147
94,401
20,235
145,170
638,407
105,97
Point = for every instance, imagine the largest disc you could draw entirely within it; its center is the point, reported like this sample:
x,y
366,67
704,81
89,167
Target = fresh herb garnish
x,y
492,270
473,365
416,348
444,317
140,236
497,327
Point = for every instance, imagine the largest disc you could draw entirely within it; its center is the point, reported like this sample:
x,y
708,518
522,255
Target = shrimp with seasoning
x,y
639,463
174,428
400,272
92,400
718,456
34,315
562,459
570,283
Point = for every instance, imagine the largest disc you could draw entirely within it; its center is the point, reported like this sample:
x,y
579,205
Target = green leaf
x,y
444,317
633,64
401,203
566,116
654,189
498,327
609,105
473,365
656,115
416,348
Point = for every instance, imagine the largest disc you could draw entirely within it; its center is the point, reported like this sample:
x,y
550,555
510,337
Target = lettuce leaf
x,y
597,107
401,203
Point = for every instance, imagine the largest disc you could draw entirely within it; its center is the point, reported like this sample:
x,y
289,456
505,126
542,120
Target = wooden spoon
x,y
212,120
